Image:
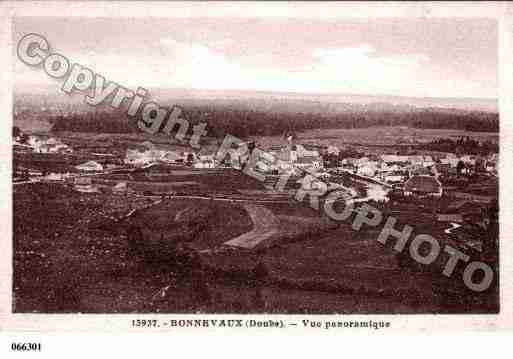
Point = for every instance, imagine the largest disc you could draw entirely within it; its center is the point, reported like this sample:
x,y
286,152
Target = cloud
x,y
358,69
361,69
201,66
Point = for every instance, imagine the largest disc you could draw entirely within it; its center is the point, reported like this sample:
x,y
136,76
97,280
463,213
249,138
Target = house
x,y
422,161
469,159
309,163
50,145
138,158
286,167
286,155
423,186
266,163
450,217
120,188
82,181
394,159
443,168
171,157
393,177
205,161
52,141
148,144
204,164
84,184
303,152
491,167
422,171
348,164
491,164
427,161
90,166
236,157
368,168
263,167
55,177
450,161
333,150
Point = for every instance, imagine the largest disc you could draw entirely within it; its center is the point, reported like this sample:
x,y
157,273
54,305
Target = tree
x,y
459,167
190,159
16,132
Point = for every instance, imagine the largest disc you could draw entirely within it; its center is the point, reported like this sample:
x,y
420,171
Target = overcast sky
x,y
421,58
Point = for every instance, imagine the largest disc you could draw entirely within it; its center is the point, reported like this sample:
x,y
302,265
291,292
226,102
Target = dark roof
x,y
443,166
307,160
426,184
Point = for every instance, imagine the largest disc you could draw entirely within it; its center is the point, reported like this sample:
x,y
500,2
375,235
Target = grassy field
x,y
374,136
69,258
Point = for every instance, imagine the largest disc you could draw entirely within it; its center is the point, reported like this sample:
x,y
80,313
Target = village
x,y
141,185
414,174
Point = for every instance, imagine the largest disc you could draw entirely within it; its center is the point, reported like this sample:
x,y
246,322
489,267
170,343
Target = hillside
x,y
250,114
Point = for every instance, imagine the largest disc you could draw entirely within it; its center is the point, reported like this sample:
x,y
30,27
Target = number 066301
x,y
24,347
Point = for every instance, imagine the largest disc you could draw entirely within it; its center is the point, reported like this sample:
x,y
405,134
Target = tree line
x,y
462,145
242,122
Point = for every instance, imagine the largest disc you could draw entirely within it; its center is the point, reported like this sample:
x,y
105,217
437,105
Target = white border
x,y
503,12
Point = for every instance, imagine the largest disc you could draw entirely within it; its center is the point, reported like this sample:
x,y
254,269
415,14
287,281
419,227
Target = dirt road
x,y
265,225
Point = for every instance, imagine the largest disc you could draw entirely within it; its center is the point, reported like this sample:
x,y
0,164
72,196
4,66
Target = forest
x,y
242,121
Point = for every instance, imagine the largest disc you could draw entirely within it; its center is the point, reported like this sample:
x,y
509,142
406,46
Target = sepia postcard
x,y
243,166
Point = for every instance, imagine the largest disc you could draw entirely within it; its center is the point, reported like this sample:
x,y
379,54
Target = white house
x,y
205,161
303,152
50,145
171,157
138,158
368,168
90,166
451,161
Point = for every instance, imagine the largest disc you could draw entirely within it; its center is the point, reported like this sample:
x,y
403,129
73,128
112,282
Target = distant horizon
x,y
320,97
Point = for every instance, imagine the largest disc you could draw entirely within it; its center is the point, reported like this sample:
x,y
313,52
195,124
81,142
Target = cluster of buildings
x,y
396,168
416,174
148,153
278,160
413,174
42,145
